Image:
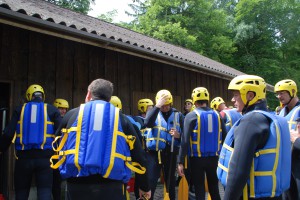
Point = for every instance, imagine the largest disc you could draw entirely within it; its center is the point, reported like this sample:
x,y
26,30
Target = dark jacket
x,y
251,134
137,153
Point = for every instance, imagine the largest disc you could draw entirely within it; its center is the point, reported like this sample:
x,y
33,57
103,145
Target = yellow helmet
x,y
166,92
33,89
189,100
288,85
200,93
247,83
214,104
143,104
61,103
116,102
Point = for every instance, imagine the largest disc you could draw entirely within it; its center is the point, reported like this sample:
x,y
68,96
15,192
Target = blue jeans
x,y
25,168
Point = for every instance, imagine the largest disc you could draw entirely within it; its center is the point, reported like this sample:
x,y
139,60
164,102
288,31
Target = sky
x,y
104,6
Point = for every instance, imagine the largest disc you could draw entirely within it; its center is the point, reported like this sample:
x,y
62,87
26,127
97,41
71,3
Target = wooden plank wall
x,y
65,69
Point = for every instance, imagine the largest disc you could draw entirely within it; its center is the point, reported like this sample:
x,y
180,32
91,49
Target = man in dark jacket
x,y
201,141
254,162
286,91
99,148
33,125
163,140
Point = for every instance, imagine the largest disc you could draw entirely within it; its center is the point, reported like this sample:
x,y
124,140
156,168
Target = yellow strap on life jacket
x,y
245,193
45,126
223,167
229,119
136,167
21,126
198,135
292,121
61,154
78,136
156,138
219,131
159,156
228,147
130,139
159,128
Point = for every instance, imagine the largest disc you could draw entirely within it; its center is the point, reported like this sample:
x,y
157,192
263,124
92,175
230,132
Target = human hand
x,y
162,100
294,135
144,195
180,170
174,133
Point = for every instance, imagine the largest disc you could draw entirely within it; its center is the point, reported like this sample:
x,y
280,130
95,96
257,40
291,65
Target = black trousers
x,y
25,168
200,167
56,187
96,191
167,166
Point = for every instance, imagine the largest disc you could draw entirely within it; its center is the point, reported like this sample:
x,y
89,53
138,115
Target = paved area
x,y
157,196
160,196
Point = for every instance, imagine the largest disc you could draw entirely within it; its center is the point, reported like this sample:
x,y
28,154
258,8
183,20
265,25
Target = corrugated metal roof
x,y
64,18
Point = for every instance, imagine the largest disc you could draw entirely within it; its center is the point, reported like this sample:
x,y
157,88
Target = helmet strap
x,y
289,101
245,107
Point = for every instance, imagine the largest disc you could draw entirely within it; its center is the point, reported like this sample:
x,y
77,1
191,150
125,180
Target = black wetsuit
x,y
168,159
31,162
200,165
293,193
95,187
251,134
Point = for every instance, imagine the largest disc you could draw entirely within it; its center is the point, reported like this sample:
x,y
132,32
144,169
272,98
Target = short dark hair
x,y
201,102
101,89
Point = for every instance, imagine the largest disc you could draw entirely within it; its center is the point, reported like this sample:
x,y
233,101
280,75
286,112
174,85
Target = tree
x,y
267,38
108,16
194,24
82,6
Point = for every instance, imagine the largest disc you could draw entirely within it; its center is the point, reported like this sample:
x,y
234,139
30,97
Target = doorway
x,y
5,88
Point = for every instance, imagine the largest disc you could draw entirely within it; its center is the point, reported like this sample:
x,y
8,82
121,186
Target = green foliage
x,y
82,6
109,16
193,24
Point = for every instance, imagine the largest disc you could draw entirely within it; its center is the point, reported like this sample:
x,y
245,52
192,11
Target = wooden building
x,y
64,51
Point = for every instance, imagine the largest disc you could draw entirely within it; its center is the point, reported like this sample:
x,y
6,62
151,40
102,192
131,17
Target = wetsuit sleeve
x,y
251,134
189,124
67,120
224,130
181,120
54,116
139,120
137,153
10,129
151,117
296,145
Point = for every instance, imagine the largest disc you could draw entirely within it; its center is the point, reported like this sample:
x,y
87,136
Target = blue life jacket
x,y
144,132
232,116
96,144
134,122
271,166
206,139
159,135
34,129
291,116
